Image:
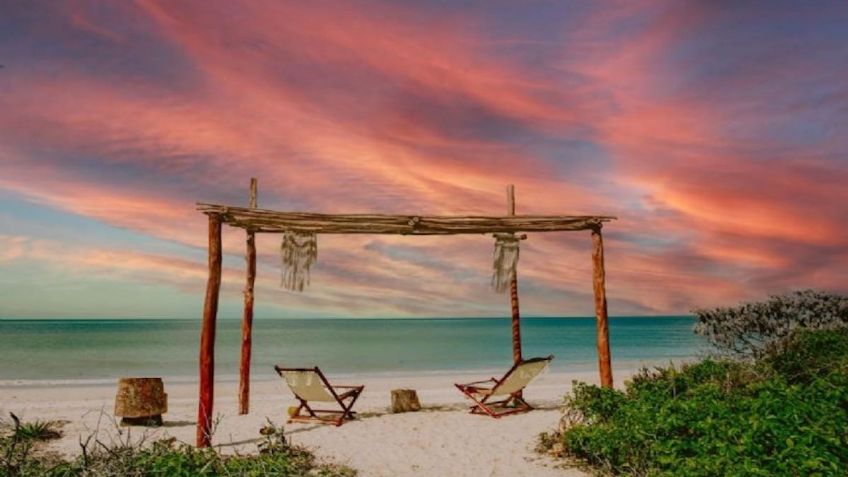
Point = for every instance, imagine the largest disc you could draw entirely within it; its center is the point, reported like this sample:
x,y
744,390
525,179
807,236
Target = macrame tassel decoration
x,y
298,252
505,260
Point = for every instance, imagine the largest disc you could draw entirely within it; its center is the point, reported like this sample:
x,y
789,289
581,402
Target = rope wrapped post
x,y
207,336
513,287
601,322
247,316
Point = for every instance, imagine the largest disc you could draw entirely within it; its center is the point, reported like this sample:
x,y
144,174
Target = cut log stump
x,y
141,401
405,400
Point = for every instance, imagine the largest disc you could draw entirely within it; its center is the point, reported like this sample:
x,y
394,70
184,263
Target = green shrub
x,y
784,416
595,404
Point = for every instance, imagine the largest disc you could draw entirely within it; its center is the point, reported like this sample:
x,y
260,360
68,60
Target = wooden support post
x,y
513,289
602,326
247,317
207,335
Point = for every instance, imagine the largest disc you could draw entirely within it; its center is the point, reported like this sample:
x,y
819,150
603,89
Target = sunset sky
x,y
716,131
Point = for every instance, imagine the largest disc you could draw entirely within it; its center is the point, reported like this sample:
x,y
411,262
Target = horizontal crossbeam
x,y
270,221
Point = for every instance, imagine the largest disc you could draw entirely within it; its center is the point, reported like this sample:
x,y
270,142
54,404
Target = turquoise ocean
x,y
58,350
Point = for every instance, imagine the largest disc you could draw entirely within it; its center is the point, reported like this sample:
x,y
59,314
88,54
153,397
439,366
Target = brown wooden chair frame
x,y
352,394
482,405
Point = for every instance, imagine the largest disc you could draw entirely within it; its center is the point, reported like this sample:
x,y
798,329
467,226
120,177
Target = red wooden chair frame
x,y
349,393
481,391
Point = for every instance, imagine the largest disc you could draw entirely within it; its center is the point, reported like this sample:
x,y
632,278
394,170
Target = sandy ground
x,y
441,440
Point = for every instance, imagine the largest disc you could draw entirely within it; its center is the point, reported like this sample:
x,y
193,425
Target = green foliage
x,y
786,415
276,457
752,330
593,403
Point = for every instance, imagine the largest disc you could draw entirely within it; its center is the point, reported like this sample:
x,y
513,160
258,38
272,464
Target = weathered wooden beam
x,y
601,321
207,336
513,288
260,220
247,316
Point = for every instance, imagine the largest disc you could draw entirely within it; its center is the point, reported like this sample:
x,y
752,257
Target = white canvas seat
x,y
307,385
510,385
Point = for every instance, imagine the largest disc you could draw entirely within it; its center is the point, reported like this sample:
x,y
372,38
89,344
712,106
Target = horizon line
x,y
360,318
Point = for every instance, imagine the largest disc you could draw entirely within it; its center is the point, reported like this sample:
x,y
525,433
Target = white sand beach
x,y
442,439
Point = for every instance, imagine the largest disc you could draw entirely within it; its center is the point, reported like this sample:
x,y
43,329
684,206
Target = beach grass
x,y
37,430
21,456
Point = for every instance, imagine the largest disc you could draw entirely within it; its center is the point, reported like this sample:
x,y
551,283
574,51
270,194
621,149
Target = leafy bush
x,y
717,418
276,457
750,330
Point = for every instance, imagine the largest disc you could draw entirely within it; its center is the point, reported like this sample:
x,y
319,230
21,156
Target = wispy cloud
x,y
711,131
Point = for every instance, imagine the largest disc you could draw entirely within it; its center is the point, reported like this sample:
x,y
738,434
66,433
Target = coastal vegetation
x,y
778,407
22,456
752,330
37,430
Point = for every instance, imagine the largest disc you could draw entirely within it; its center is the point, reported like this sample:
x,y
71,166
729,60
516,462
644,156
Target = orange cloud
x,y
625,111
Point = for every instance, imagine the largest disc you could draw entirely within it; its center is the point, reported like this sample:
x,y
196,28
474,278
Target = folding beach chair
x,y
511,385
310,384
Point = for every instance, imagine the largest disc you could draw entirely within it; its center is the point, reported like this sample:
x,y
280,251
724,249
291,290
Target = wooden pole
x,y
513,289
247,317
602,326
207,335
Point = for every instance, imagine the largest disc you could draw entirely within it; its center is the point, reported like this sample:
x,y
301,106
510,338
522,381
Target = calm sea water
x,y
106,349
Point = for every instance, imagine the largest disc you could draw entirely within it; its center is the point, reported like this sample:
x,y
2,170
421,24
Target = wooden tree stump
x,y
405,400
141,401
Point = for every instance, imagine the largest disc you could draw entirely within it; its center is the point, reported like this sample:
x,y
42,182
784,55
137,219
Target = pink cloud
x,y
397,113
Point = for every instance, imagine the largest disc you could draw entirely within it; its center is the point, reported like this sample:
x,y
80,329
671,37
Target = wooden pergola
x,y
254,220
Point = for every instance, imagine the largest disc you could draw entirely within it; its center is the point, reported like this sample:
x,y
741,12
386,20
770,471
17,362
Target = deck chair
x,y
509,387
309,385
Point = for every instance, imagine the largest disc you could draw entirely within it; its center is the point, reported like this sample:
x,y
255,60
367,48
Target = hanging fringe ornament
x,y
505,260
298,252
